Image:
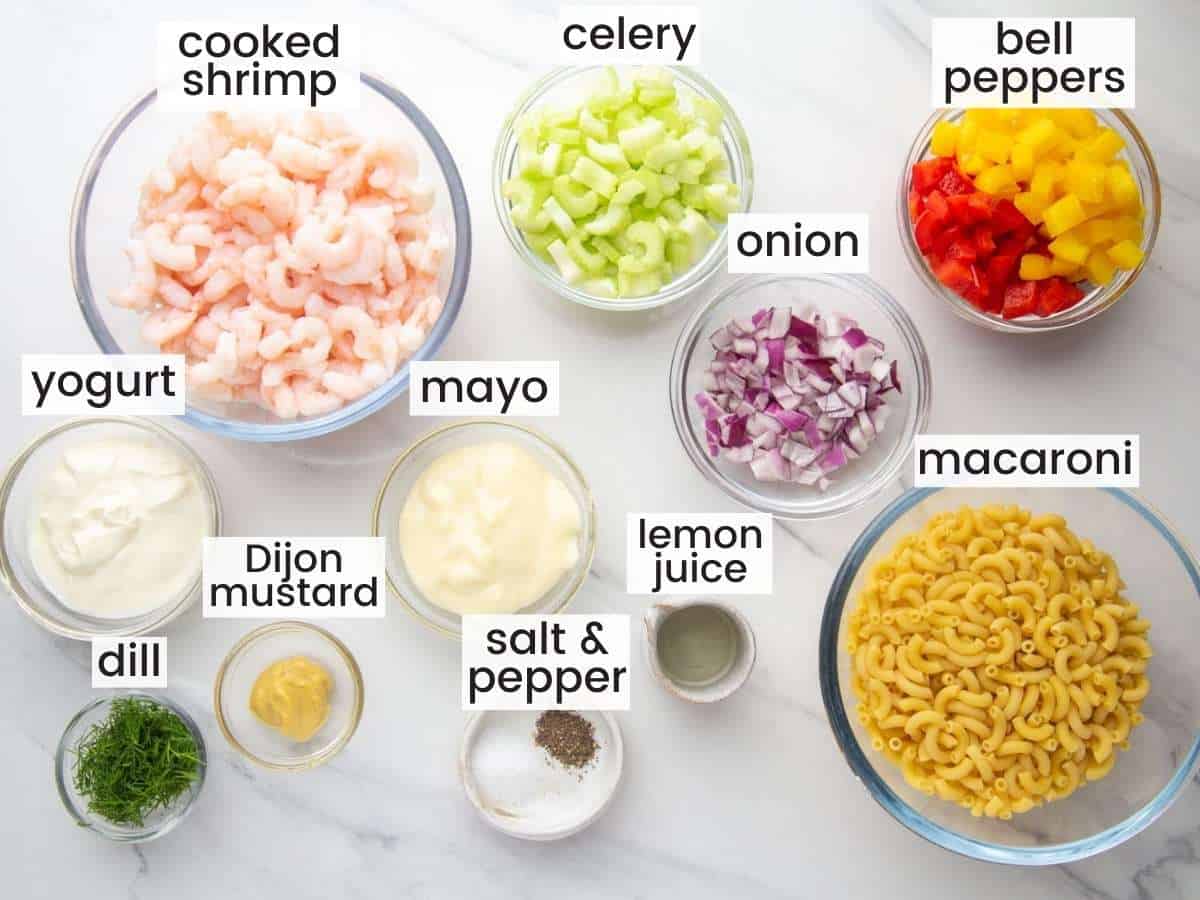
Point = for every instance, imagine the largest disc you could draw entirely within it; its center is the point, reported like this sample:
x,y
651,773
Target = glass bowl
x,y
412,463
262,744
880,316
18,491
1099,297
1163,579
567,83
105,207
157,823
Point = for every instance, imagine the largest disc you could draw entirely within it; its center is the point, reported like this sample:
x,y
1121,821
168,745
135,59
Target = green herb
x,y
137,760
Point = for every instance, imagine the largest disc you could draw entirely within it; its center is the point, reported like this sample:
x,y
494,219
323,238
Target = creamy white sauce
x,y
488,529
118,526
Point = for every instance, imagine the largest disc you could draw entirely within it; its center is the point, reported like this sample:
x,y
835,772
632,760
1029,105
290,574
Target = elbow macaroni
x,y
997,662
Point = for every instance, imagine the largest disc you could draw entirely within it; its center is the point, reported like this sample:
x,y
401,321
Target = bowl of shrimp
x,y
297,262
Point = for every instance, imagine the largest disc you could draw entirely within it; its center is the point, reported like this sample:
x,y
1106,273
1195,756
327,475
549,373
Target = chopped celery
x,y
673,209
569,137
563,222
650,240
592,126
608,155
600,287
655,94
550,157
567,267
621,192
638,284
595,263
640,139
599,179
576,200
628,117
662,153
610,252
609,221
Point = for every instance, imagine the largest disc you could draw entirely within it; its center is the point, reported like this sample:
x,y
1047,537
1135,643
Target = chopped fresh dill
x,y
138,760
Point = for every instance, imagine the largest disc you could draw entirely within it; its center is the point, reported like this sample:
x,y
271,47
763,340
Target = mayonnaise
x,y
117,527
488,529
292,696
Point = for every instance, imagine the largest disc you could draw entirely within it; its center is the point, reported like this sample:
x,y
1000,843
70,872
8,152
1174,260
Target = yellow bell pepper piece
x,y
1103,147
1080,123
1045,181
1100,269
1086,180
1063,267
993,146
1063,215
1034,267
1030,206
1040,136
998,180
944,140
1126,254
1071,248
1022,162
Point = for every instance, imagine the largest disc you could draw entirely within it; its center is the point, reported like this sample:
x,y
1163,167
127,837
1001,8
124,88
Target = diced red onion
x,y
795,396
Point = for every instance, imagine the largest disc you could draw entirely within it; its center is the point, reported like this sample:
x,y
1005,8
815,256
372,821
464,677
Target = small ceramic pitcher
x,y
725,685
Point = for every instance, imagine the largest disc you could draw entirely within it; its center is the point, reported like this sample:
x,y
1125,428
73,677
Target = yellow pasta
x,y
996,659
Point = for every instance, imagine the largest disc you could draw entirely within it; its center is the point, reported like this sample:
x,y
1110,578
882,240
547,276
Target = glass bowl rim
x,y
271,628
1102,298
303,428
872,484
829,659
12,476
583,567
694,277
177,813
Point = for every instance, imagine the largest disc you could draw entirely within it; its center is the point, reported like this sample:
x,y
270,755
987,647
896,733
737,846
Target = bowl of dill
x,y
129,766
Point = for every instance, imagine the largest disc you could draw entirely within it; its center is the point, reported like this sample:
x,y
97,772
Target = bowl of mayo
x,y
485,517
103,527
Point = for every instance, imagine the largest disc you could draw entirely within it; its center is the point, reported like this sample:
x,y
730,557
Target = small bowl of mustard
x,y
288,696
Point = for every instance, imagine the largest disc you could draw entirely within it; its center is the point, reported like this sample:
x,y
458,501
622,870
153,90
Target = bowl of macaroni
x,y
991,674
297,262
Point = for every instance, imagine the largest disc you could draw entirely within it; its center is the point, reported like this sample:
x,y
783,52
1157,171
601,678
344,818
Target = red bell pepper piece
x,y
954,182
1056,295
927,173
1020,299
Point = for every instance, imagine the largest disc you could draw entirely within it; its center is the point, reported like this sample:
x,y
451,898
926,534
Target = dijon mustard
x,y
292,696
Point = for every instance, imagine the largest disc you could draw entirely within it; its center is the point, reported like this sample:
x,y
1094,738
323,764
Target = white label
x,y
255,65
672,555
791,243
1028,460
483,388
299,578
129,662
545,662
626,33
99,384
1033,62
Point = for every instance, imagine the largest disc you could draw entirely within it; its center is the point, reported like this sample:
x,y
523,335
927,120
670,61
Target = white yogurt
x,y
117,527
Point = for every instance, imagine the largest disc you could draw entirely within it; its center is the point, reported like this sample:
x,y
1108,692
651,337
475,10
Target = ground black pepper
x,y
568,737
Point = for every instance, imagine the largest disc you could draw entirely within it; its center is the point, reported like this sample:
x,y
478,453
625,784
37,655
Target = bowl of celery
x,y
615,184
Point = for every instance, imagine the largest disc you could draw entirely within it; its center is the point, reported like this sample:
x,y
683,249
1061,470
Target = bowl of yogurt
x,y
484,517
103,527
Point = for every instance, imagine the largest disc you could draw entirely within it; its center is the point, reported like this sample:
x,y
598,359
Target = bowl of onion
x,y
800,396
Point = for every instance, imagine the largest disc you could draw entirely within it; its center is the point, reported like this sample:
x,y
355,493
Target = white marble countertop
x,y
748,799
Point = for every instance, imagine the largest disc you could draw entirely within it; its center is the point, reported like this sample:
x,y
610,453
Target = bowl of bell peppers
x,y
1029,219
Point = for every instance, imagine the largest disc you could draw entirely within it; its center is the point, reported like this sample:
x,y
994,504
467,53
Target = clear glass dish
x,y
1099,297
1163,578
105,208
567,83
408,467
262,744
21,483
157,823
880,316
